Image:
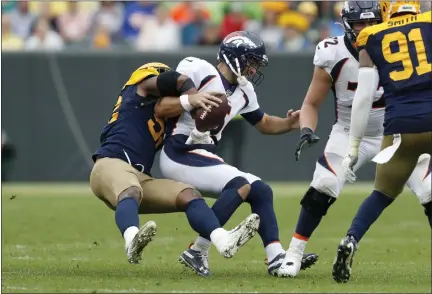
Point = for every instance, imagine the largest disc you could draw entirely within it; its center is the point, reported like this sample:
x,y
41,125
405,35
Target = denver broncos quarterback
x,y
189,156
398,53
336,67
129,142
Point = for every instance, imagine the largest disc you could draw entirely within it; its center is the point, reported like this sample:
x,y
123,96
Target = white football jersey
x,y
336,59
207,78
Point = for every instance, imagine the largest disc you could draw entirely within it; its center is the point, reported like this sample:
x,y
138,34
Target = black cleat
x,y
197,261
308,260
344,259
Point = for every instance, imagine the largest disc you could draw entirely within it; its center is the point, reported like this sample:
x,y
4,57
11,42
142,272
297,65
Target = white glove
x,y
197,137
348,165
351,159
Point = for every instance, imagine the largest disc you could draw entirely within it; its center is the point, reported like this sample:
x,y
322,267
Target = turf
x,y
60,238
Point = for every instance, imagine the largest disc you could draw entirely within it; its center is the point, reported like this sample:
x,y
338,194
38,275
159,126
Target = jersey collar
x,y
229,88
351,48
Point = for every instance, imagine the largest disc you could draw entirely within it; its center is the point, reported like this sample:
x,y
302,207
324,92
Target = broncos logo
x,y
239,40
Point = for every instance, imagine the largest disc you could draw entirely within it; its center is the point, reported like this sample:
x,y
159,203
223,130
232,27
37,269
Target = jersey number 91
x,y
403,55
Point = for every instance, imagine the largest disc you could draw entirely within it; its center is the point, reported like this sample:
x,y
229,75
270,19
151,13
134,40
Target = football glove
x,y
307,138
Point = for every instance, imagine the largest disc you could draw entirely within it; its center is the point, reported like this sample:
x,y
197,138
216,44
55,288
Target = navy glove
x,y
307,138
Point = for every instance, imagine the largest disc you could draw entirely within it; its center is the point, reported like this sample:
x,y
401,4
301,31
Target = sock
x,y
273,250
129,234
226,205
201,218
428,212
126,214
297,244
306,224
201,244
261,201
368,213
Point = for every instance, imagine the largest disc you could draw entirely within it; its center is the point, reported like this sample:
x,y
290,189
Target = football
x,y
206,121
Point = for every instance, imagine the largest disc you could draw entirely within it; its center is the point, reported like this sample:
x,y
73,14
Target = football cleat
x,y
197,261
283,265
344,259
144,236
237,237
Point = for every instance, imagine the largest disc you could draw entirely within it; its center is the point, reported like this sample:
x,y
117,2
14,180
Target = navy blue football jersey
x,y
133,133
401,49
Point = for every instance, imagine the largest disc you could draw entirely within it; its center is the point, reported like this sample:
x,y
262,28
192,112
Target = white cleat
x,y
291,265
144,236
238,236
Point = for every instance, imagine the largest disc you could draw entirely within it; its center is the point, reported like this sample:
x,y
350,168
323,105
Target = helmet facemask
x,y
242,67
251,69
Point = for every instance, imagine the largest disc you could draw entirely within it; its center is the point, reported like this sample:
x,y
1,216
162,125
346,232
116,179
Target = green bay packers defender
x,y
129,142
398,53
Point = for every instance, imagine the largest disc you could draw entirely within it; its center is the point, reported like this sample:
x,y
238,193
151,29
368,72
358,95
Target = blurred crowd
x,y
165,26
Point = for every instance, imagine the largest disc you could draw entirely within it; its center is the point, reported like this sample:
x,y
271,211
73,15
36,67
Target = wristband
x,y
184,101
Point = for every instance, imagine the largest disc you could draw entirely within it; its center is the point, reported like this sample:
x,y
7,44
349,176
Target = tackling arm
x,y
170,85
368,79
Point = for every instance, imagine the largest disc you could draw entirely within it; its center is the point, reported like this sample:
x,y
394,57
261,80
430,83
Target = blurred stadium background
x,y
63,64
166,25
69,49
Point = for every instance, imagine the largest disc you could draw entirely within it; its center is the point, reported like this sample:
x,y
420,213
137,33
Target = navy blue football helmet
x,y
244,53
359,11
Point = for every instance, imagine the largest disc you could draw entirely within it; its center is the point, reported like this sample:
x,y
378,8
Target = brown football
x,y
206,121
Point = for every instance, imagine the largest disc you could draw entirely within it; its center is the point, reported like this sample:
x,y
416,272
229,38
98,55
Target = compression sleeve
x,y
368,79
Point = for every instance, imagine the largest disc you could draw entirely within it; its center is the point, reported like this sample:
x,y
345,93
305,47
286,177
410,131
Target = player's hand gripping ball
x,y
206,121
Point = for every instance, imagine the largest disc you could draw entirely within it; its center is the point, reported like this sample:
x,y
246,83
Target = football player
x,y
189,156
129,142
336,68
398,53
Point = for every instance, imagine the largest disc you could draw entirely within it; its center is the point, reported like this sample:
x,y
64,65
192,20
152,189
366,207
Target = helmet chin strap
x,y
242,81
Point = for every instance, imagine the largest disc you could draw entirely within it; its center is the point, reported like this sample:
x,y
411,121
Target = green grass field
x,y
60,238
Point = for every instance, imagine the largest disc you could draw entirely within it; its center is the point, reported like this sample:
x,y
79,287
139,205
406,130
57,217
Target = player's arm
x,y
178,92
368,80
318,89
274,125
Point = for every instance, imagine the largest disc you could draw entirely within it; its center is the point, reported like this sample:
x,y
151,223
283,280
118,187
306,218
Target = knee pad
x,y
236,183
260,190
317,203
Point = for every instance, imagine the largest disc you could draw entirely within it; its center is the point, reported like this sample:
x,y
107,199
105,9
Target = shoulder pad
x,y
425,17
326,53
140,74
363,37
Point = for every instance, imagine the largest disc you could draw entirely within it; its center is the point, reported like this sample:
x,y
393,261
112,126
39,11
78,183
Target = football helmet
x,y
358,11
390,8
244,53
159,67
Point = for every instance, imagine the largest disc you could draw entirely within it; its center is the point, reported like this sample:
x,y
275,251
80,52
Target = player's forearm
x,y
308,117
172,106
274,125
362,104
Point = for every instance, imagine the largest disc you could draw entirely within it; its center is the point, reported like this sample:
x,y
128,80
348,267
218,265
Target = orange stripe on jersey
x,y
331,169
211,157
205,82
428,171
